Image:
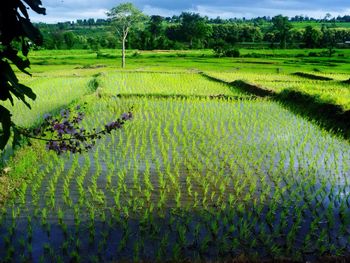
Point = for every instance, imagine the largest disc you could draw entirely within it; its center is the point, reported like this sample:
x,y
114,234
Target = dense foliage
x,y
190,30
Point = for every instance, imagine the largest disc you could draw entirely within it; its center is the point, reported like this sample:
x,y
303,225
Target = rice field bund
x,y
203,172
329,88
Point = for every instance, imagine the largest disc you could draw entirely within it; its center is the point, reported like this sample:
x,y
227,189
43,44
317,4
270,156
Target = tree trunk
x,y
123,53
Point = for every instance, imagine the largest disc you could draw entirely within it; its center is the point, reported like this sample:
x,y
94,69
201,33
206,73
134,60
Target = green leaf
x,y
25,48
6,95
35,5
4,89
9,74
17,137
27,91
15,25
23,9
5,132
31,31
20,63
12,84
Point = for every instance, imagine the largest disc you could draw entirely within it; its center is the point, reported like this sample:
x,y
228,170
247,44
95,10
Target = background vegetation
x,y
192,31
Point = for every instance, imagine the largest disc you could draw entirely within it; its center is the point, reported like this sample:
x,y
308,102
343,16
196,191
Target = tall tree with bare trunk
x,y
124,17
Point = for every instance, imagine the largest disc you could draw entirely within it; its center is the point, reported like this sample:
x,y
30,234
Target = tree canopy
x,y
281,27
194,27
158,32
124,17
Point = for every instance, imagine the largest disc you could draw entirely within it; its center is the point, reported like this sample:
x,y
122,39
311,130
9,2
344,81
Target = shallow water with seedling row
x,y
187,178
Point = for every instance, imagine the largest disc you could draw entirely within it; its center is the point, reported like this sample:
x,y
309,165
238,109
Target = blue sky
x,y
70,10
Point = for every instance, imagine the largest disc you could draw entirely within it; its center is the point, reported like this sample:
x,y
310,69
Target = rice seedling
x,y
191,176
167,84
75,256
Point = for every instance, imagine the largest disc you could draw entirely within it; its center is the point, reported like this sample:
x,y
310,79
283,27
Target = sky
x,y
71,10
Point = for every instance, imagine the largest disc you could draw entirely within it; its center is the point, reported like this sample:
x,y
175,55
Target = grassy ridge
x,y
331,91
328,109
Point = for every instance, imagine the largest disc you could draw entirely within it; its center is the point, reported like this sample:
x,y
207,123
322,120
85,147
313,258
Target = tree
x,y
156,29
93,44
111,40
271,38
250,34
329,39
14,13
228,32
327,17
69,39
124,17
194,27
221,48
296,36
312,37
281,27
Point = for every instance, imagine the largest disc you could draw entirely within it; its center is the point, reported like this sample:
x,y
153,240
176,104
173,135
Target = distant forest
x,y
193,31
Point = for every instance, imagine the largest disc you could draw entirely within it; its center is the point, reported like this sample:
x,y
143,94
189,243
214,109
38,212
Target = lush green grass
x,y
257,60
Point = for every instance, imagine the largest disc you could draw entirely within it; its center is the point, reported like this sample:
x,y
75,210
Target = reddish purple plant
x,y
67,134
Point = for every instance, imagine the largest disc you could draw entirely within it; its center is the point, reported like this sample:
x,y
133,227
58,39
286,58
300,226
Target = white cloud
x,y
151,10
54,16
230,12
69,10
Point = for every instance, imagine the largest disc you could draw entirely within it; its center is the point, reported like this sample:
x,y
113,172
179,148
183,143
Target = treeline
x,y
190,30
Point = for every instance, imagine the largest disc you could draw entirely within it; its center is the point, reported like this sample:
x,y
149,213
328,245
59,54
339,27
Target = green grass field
x,y
264,60
205,171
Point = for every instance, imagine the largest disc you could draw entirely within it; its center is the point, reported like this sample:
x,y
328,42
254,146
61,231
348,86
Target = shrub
x,y
222,49
320,54
219,48
136,54
181,55
232,52
314,54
